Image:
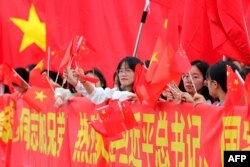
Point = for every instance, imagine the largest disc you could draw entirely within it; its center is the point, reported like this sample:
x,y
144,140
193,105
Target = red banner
x,y
167,135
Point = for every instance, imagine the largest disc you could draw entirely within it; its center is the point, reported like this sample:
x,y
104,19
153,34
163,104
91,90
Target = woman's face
x,y
211,84
125,75
197,79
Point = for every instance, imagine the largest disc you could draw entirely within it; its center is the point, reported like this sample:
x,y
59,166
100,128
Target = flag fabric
x,y
159,63
158,72
116,113
233,19
169,60
141,85
23,33
77,44
129,118
67,58
228,29
235,90
1,73
38,79
111,33
247,87
55,57
40,99
10,77
35,74
88,78
195,35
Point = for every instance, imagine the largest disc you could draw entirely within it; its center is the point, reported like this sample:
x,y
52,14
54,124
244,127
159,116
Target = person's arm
x,y
199,99
61,96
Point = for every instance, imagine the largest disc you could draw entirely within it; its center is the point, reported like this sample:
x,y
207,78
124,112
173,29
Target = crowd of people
x,y
203,84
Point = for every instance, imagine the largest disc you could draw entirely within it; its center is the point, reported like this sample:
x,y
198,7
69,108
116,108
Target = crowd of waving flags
x,y
88,34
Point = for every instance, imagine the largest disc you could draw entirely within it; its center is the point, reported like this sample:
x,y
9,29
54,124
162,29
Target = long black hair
x,y
202,67
131,62
218,72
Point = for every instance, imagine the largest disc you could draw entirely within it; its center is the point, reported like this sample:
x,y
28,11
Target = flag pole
x,y
26,83
143,20
48,63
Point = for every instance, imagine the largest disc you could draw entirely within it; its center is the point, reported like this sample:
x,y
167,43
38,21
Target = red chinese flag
x,y
1,73
195,35
247,87
40,99
228,29
169,54
67,57
129,118
35,75
23,36
159,63
112,116
235,90
77,43
10,77
116,113
147,93
30,27
180,63
233,20
141,85
158,72
55,57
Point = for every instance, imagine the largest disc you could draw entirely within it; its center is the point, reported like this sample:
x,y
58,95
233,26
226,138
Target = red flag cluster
x,y
114,119
166,65
9,76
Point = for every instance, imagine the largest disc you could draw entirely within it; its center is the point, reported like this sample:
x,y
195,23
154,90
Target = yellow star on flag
x,y
154,58
166,23
34,31
39,65
40,95
103,112
236,82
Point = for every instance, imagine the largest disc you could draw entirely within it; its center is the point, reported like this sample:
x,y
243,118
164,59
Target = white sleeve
x,y
121,95
100,95
81,89
65,94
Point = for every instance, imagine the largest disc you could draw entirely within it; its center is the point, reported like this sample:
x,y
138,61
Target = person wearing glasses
x,y
191,83
216,79
123,90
